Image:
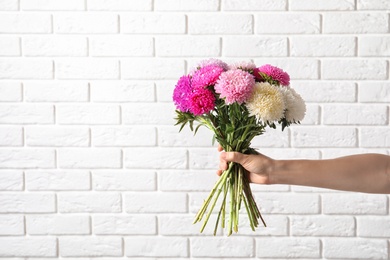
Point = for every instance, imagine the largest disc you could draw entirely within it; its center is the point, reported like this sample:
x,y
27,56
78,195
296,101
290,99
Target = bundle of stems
x,y
234,129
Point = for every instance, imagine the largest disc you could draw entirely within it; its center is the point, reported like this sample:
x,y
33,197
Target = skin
x,y
369,173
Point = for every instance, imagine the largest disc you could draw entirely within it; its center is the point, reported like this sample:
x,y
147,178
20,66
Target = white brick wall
x,y
91,166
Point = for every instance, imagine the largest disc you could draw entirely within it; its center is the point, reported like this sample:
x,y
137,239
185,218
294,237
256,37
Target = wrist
x,y
277,172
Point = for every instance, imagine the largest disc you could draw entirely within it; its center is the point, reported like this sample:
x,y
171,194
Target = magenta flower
x,y
235,86
201,101
274,72
206,76
181,93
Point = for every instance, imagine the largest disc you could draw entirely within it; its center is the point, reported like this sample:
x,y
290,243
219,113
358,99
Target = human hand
x,y
259,166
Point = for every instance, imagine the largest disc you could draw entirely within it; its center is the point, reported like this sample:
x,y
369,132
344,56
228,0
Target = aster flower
x,y
206,76
275,73
201,101
243,65
181,93
208,62
295,106
235,86
266,102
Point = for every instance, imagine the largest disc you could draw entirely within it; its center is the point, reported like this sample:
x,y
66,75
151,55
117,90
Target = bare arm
x,y
368,173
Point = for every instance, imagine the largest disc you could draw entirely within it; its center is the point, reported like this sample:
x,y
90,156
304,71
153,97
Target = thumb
x,y
234,157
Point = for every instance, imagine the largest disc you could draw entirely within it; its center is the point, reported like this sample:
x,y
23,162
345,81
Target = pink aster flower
x,y
244,65
274,72
235,86
182,92
201,101
206,76
208,62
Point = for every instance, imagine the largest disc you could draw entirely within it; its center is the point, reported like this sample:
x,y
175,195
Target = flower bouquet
x,y
237,102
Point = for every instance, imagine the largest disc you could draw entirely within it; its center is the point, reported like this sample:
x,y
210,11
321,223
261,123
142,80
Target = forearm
x,y
362,173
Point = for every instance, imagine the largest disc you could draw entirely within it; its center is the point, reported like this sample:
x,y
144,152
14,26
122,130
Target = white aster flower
x,y
266,102
295,105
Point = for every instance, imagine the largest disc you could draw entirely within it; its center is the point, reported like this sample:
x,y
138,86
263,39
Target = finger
x,y
223,165
233,157
219,172
220,149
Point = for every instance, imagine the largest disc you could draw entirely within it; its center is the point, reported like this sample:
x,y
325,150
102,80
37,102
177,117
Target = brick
x,y
334,226
122,91
186,5
164,90
87,69
357,204
27,158
25,23
57,180
241,46
155,202
124,180
153,23
169,136
182,225
10,46
355,114
90,23
124,136
272,138
148,114
276,226
88,114
312,115
57,225
12,225
89,158
152,158
11,136
103,46
334,153
322,46
373,226
90,246
292,247
162,68
9,5
95,202
119,5
220,24
26,114
28,246
54,46
373,5
47,5
124,225
202,158
27,203
374,137
156,246
355,23
56,91
184,46
354,69
56,136
374,46
326,92
324,137
323,5
222,247
11,180
10,91
186,180
254,5
26,68
374,92
288,23
288,203
362,248
297,68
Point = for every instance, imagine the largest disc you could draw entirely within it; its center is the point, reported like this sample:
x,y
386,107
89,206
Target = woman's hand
x,y
259,166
